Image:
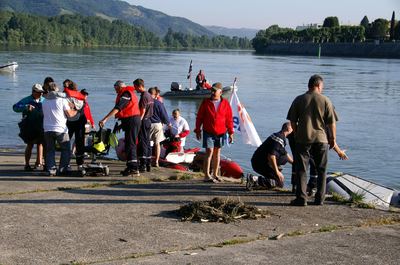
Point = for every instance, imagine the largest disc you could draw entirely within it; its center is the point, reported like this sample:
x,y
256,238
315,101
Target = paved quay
x,y
124,220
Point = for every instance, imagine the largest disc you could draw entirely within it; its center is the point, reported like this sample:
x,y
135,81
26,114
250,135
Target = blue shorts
x,y
212,141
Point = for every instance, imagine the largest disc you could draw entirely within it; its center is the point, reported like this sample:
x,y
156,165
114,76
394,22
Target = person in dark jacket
x,y
146,104
270,156
126,109
158,118
31,108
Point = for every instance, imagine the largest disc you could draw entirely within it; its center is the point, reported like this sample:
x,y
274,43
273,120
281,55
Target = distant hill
x,y
230,32
152,20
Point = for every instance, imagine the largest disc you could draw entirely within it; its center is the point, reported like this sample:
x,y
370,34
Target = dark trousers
x,y
77,128
268,177
319,152
144,149
131,128
313,169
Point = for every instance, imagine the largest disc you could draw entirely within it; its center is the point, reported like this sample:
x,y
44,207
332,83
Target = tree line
x,y
77,30
331,32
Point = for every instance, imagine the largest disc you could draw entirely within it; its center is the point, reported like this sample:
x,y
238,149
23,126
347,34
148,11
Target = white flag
x,y
242,123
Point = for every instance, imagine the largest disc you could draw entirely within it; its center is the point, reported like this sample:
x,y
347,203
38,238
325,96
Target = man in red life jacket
x,y
146,104
214,118
201,81
126,109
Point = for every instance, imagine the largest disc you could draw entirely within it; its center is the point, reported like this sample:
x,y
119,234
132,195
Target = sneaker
x,y
142,169
81,170
65,171
298,202
52,172
28,168
130,171
251,181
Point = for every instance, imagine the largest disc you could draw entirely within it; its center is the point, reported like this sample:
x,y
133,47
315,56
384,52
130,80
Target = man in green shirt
x,y
309,114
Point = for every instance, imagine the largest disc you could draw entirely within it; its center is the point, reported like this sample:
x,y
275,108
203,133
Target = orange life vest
x,y
132,109
74,94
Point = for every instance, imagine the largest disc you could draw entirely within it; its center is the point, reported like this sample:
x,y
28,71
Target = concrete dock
x,y
126,220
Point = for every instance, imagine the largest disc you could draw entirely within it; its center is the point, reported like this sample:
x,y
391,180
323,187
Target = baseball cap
x,y
37,88
216,86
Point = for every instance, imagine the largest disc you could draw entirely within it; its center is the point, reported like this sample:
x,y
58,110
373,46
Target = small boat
x,y
380,196
190,93
9,67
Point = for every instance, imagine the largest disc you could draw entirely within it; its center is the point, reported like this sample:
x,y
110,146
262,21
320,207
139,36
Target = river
x,y
365,92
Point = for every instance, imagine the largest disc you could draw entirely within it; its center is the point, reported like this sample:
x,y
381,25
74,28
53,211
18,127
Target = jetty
x,y
125,220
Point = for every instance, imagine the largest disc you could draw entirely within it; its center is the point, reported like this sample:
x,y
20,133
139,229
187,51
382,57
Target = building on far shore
x,y
309,26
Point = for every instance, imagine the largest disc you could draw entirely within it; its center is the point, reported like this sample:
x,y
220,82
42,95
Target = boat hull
x,y
10,67
195,94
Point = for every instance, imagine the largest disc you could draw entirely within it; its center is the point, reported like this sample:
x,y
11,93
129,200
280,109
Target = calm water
x,y
365,92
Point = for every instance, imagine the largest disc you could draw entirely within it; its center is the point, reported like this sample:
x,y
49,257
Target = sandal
x,y
38,167
209,180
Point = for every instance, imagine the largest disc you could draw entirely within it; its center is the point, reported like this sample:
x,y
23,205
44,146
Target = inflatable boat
x,y
190,93
380,196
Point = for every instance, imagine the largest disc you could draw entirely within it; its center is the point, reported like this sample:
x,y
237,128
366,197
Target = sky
x,y
260,14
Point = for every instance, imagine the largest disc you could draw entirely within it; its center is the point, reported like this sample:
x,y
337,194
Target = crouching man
x,y
269,157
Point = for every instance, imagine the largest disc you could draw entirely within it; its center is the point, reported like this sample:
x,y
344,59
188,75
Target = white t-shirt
x,y
216,104
54,117
179,125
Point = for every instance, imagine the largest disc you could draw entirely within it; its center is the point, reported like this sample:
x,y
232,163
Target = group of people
x,y
51,117
311,130
143,122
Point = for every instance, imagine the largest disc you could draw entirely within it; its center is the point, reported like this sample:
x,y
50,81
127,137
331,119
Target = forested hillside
x,y
77,30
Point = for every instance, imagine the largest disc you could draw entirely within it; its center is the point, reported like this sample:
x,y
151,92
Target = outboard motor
x,y
175,86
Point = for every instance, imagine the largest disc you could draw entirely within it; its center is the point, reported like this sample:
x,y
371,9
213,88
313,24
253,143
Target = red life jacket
x,y
74,94
132,109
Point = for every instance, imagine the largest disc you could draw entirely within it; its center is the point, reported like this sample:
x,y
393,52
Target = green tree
x,y
392,25
397,31
364,22
379,29
331,22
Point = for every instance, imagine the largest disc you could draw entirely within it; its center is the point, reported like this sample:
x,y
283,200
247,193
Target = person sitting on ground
x,y
55,113
32,131
270,156
158,118
201,81
178,131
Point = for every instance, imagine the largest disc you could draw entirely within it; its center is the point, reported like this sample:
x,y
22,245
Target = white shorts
x,y
157,133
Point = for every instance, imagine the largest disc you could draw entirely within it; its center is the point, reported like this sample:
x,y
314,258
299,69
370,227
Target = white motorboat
x,y
9,67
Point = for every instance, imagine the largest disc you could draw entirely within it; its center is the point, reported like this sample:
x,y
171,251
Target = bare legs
x,y
157,151
39,155
212,154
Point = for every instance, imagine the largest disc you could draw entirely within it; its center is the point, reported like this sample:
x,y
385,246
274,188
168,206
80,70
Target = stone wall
x,y
370,50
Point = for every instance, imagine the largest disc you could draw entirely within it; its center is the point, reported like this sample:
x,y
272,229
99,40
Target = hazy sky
x,y
260,14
